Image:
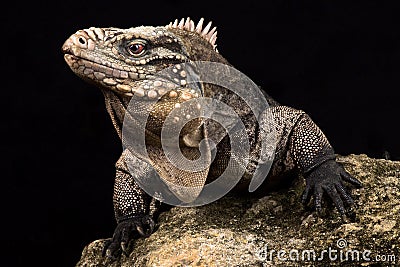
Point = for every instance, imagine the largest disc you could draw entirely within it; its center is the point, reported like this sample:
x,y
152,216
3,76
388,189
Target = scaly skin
x,y
124,64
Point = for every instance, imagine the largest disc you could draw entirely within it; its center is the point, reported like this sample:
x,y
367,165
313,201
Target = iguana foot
x,y
143,225
328,178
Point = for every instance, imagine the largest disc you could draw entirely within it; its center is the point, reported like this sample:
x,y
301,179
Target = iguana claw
x,y
327,178
123,233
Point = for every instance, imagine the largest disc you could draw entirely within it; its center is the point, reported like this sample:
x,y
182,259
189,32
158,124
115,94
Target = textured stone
x,y
236,231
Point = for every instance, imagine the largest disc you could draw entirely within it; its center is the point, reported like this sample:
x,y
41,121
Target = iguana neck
x,y
116,107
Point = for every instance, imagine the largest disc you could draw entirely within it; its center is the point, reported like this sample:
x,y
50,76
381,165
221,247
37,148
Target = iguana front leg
x,y
316,159
134,209
301,140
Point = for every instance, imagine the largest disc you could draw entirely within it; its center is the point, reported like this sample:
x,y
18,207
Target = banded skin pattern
x,y
125,65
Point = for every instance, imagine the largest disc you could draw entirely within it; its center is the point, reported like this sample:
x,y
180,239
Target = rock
x,y
276,229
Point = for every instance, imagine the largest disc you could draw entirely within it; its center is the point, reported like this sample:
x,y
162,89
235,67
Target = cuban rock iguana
x,y
124,64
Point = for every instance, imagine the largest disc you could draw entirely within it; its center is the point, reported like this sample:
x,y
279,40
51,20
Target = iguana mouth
x,y
98,70
127,83
119,81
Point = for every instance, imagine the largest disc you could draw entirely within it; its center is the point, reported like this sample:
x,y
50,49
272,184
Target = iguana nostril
x,y
82,40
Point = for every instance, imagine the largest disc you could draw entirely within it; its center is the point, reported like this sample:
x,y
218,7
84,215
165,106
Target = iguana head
x,y
126,60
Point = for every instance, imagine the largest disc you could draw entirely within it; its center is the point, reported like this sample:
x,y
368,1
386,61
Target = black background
x,y
338,61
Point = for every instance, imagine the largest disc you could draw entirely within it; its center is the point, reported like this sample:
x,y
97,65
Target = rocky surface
x,y
276,229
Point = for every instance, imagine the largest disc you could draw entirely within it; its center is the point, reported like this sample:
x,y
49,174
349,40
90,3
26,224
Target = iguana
x,y
124,64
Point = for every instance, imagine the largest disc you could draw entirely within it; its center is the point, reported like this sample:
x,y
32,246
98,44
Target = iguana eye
x,y
137,48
